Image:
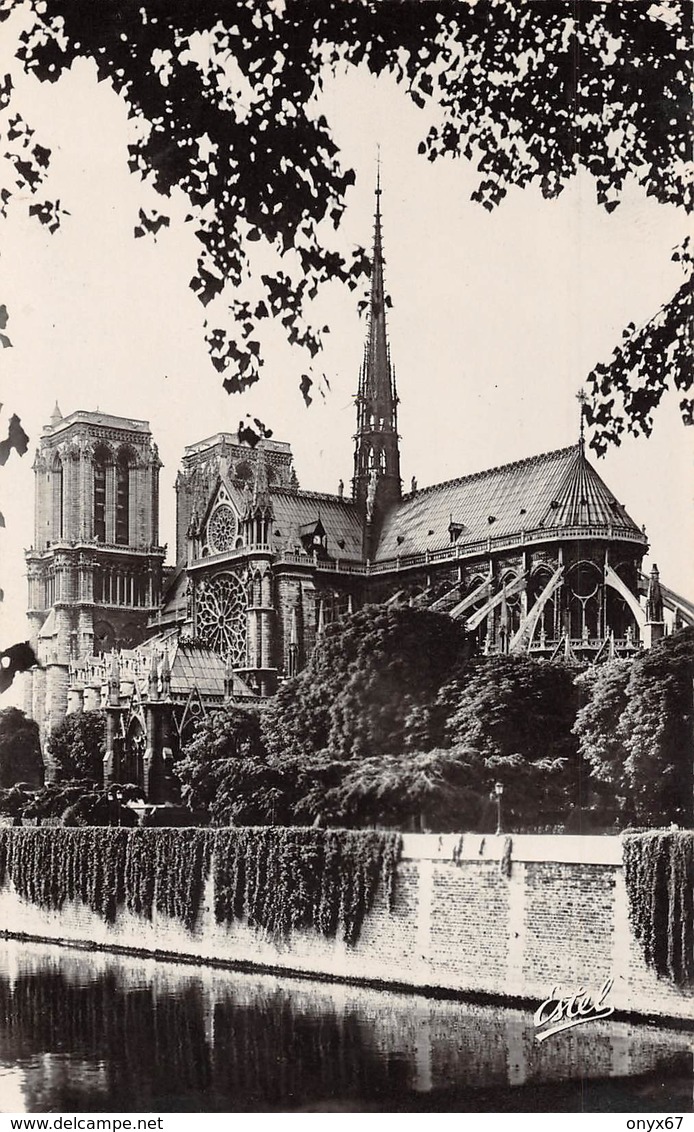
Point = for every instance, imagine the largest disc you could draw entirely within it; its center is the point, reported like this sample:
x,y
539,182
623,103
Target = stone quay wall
x,y
462,924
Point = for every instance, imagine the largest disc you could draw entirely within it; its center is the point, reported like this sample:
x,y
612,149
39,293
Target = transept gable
x,y
219,525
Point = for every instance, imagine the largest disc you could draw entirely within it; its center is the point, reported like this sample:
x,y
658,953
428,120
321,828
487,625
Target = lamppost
x,y
498,792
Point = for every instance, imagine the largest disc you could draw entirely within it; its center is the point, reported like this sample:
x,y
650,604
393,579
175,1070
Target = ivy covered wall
x,y
498,916
275,879
659,876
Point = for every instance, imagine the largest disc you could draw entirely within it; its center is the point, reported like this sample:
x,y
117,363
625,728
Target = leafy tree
x,y
649,360
75,802
439,790
635,731
391,722
655,729
53,799
20,749
603,689
78,745
516,714
368,688
224,100
98,807
224,770
14,800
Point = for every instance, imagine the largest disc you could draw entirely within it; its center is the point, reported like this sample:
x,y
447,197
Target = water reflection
x,y
86,1032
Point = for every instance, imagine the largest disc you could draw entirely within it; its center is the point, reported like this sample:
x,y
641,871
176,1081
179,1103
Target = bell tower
x,y
376,483
95,568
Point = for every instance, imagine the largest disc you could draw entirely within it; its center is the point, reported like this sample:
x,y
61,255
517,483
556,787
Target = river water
x,y
90,1032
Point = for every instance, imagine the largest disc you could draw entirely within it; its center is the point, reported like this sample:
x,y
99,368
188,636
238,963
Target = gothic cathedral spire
x,y
376,483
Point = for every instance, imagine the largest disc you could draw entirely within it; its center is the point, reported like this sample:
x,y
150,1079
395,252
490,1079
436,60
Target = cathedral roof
x,y
192,664
550,492
59,423
294,510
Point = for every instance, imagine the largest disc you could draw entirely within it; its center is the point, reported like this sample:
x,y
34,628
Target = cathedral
x,y
534,557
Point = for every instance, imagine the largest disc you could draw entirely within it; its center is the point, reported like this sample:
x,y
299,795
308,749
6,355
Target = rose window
x,y
221,529
221,610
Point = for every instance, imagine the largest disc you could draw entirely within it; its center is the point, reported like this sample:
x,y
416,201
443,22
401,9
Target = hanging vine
x,y
659,875
107,869
281,879
278,879
181,866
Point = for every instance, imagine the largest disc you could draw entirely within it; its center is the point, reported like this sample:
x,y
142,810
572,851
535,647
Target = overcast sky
x,y
496,319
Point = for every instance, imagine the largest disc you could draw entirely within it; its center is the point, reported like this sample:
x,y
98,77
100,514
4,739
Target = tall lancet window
x,y
100,461
57,487
122,499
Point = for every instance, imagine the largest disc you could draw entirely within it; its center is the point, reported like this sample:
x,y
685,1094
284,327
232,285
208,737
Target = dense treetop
x,y
368,687
635,731
392,720
77,746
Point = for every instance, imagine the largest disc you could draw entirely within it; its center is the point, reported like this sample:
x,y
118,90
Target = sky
x,y
496,320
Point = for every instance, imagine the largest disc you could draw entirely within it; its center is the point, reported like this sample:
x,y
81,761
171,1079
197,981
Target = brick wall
x,y
459,925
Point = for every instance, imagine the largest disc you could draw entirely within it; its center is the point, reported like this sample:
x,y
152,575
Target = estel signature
x,y
562,1013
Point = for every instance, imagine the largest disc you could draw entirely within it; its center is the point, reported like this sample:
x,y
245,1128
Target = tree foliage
x,y
77,746
603,691
14,800
441,790
392,721
75,801
224,770
635,731
369,686
20,749
224,100
649,360
99,807
511,718
656,730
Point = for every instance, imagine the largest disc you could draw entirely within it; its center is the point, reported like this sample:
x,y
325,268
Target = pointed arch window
x,y
101,459
122,499
57,489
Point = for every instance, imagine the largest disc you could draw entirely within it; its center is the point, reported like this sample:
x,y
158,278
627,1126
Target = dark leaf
x,y
18,658
16,438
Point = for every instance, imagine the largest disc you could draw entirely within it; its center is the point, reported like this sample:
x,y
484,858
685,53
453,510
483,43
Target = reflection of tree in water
x,y
172,1052
151,1046
123,1038
270,1053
